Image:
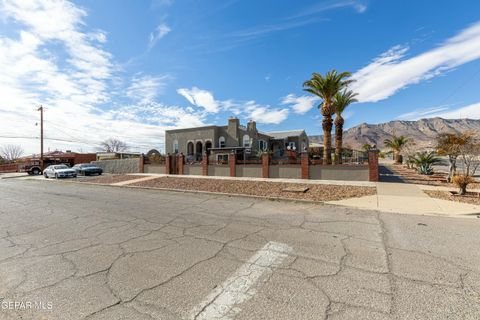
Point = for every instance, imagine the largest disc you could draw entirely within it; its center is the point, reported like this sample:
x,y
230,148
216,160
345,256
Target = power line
x,y
90,144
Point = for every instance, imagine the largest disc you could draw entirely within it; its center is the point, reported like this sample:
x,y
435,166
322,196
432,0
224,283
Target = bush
x,y
424,162
462,181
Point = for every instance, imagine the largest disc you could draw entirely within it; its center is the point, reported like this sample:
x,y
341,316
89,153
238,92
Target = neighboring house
x,y
117,155
219,141
55,157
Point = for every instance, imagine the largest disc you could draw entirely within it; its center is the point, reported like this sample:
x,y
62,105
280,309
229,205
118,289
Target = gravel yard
x,y
111,179
260,188
471,198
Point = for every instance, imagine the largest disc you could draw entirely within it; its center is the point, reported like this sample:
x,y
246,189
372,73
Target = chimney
x,y
232,130
252,126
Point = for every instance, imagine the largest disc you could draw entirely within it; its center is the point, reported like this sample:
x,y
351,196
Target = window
x,y
221,142
262,145
222,158
246,141
175,146
291,145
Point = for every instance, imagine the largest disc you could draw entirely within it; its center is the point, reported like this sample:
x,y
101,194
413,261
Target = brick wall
x,y
373,174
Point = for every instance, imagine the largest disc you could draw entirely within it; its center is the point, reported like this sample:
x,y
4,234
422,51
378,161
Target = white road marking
x,y
222,303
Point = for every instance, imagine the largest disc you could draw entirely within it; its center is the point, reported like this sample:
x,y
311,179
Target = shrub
x,y
462,181
424,162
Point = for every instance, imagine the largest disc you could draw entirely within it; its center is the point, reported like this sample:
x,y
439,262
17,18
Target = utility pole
x,y
41,136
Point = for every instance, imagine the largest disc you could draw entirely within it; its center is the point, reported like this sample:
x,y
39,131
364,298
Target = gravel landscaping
x,y
111,179
412,176
260,188
471,198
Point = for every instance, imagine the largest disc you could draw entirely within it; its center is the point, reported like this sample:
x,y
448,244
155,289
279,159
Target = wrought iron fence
x,y
348,156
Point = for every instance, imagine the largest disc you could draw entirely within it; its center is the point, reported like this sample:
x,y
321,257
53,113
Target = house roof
x,y
285,134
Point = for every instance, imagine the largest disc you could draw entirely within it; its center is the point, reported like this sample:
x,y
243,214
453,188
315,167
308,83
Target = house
x,y
117,155
55,157
245,141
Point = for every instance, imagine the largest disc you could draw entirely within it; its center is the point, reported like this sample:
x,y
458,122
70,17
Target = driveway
x,y
72,251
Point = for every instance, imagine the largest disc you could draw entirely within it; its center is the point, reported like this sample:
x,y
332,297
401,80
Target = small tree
x,y
11,152
410,150
113,145
469,153
396,144
366,147
449,144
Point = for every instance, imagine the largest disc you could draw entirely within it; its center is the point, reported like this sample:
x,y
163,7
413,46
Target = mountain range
x,y
423,132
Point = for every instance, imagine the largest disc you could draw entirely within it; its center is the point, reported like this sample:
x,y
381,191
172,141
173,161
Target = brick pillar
x,y
305,163
168,162
232,162
205,165
141,164
265,165
373,165
180,161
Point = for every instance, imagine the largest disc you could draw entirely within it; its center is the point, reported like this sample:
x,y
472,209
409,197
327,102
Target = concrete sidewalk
x,y
409,199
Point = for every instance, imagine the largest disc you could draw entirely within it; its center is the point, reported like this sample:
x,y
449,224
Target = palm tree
x,y
340,103
396,144
326,87
425,160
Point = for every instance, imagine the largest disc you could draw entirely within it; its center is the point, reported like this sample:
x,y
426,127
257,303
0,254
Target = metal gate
x,y
173,165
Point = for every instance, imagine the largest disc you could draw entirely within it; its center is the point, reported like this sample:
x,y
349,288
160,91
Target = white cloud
x,y
422,113
201,98
358,6
248,110
53,59
146,88
301,104
468,112
161,31
471,111
264,114
392,71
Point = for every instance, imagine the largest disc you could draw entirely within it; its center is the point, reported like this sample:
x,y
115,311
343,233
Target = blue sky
x,y
131,69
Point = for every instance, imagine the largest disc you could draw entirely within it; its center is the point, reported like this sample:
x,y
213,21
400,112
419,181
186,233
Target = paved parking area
x,y
95,252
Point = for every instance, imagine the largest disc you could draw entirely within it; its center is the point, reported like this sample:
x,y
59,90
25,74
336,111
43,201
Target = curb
x,y
14,177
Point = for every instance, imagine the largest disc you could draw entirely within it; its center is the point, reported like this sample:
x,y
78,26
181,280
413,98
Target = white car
x,y
59,171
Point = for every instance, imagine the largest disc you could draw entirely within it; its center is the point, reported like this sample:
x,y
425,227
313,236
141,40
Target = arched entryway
x,y
190,148
208,146
198,150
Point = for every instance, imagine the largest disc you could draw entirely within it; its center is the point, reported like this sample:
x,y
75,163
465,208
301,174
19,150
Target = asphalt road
x,y
74,251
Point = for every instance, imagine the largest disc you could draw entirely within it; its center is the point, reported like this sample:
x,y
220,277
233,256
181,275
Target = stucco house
x,y
245,141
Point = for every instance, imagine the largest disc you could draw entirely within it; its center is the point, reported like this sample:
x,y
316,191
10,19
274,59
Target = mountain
x,y
423,131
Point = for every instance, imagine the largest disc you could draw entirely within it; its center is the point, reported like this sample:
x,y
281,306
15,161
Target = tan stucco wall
x,y
119,166
154,168
285,171
249,170
192,170
345,172
219,170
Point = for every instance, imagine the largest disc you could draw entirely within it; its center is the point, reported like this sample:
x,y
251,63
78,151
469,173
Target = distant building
x,y
246,142
117,155
67,157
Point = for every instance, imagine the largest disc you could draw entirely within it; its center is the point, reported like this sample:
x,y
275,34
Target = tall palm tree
x,y
396,144
340,102
326,87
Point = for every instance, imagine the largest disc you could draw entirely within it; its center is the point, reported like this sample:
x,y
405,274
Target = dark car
x,y
87,169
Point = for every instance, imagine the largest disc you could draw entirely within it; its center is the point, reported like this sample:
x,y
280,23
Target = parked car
x,y
59,171
87,169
